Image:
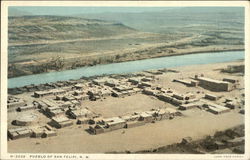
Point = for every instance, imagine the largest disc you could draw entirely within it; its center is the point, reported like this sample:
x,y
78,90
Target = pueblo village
x,y
127,108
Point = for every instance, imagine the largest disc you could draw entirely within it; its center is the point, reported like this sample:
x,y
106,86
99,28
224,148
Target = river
x,y
128,67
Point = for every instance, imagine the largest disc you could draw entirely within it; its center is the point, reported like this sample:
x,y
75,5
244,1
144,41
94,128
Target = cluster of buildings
x,y
136,119
14,102
42,87
61,102
32,131
97,89
216,85
189,100
226,84
82,115
170,96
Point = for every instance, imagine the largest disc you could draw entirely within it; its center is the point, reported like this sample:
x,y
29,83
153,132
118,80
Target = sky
x,y
50,10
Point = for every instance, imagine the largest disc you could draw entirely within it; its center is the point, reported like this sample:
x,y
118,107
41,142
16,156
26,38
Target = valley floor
x,y
195,123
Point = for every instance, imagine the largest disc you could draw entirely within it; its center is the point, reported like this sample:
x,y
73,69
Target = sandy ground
x,y
76,140
194,123
208,70
111,106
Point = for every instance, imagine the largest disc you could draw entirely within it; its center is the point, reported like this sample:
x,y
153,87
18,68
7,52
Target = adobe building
x,y
129,118
211,97
217,109
115,123
14,102
97,129
39,94
79,113
17,133
42,132
214,85
132,124
61,121
84,120
188,106
147,118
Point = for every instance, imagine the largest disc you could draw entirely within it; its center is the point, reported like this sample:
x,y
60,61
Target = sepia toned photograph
x,y
135,79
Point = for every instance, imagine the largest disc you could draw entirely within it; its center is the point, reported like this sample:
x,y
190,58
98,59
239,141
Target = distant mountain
x,y
37,28
16,12
178,18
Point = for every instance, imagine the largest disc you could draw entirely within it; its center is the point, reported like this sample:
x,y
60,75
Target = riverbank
x,y
157,51
127,67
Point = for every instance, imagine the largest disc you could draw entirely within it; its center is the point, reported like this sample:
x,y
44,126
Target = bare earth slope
x,y
33,29
40,44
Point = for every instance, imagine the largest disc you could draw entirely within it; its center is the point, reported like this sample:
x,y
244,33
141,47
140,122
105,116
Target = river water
x,y
128,67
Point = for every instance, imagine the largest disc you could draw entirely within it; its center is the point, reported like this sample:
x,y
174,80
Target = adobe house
x,y
82,97
211,97
146,117
61,121
135,80
230,80
188,106
14,102
100,81
176,102
78,92
132,124
230,105
98,129
64,105
112,83
59,97
149,91
217,109
54,111
131,118
48,133
162,114
80,113
79,86
37,132
84,120
19,133
115,123
42,131
214,85
165,98
68,98
39,94
58,91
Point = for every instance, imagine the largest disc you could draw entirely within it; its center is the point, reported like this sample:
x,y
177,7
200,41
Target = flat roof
x,y
211,80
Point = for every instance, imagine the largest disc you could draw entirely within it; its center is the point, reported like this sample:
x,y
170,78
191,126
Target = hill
x,y
33,29
40,44
179,19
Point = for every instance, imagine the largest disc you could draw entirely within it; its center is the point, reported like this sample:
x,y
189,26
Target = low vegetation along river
x,y
127,67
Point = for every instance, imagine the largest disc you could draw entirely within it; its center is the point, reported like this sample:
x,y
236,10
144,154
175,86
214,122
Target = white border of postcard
x,y
4,42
